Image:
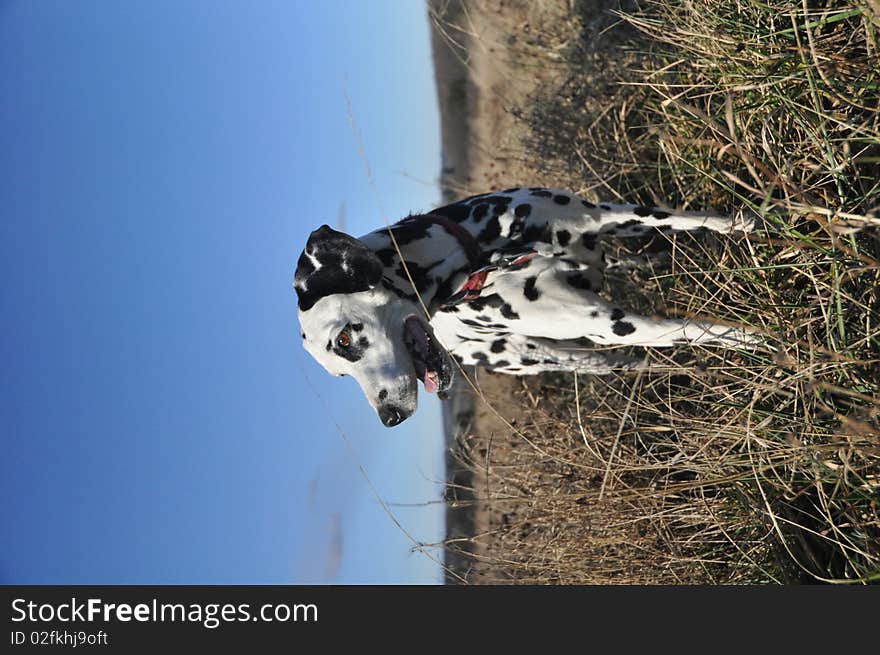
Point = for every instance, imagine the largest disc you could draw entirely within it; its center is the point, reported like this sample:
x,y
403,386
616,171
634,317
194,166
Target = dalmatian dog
x,y
505,280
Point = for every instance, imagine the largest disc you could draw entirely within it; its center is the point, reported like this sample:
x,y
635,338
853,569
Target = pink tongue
x,y
429,382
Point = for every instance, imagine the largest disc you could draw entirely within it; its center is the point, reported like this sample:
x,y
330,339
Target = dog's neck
x,y
439,255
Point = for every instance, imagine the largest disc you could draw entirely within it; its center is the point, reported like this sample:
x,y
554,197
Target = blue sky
x,y
161,166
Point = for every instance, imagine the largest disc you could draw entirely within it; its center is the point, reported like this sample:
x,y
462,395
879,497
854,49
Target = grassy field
x,y
717,466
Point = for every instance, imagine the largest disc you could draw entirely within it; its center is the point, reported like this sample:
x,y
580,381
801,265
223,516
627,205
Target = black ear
x,y
333,262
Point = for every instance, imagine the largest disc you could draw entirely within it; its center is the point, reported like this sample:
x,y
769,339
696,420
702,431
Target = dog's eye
x,y
344,339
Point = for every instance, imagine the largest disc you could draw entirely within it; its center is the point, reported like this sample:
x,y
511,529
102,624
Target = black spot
x,y
622,328
412,228
383,394
497,210
458,358
329,345
480,212
357,327
500,363
512,190
607,208
418,273
617,314
642,211
594,314
497,200
386,256
522,210
535,233
541,193
630,223
579,281
531,346
444,288
561,200
529,290
498,346
660,215
563,237
484,318
493,300
480,356
457,212
589,240
507,311
525,361
354,351
470,322
491,232
550,361
303,335
588,205
398,292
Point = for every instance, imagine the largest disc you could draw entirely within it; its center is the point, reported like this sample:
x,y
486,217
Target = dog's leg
x,y
550,301
635,220
645,261
556,223
521,355
614,326
569,355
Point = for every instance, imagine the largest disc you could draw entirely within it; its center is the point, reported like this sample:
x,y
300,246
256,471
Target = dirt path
x,y
482,80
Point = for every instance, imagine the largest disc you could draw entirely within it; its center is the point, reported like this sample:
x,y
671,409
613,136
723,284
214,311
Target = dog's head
x,y
355,322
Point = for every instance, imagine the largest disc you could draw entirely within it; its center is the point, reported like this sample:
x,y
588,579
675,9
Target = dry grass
x,y
718,467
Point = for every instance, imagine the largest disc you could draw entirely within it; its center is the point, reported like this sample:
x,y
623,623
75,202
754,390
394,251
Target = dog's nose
x,y
391,415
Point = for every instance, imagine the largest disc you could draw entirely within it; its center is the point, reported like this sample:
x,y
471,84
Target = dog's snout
x,y
391,415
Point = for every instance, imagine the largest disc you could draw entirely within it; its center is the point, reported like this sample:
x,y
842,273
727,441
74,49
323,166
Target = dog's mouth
x,y
432,364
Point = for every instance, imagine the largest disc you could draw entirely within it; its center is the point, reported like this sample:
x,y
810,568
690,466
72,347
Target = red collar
x,y
465,239
477,277
473,285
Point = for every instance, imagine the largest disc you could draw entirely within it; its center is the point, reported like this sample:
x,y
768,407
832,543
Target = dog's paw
x,y
744,220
